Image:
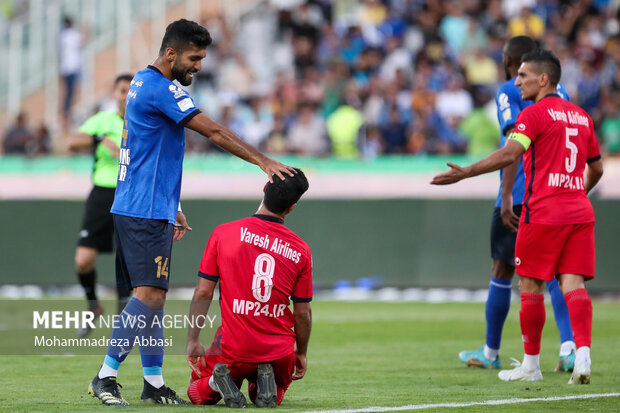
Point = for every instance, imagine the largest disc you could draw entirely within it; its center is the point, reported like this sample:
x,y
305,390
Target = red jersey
x,y
562,141
260,264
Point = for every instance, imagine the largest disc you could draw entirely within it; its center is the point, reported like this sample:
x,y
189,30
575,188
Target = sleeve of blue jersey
x,y
176,103
508,108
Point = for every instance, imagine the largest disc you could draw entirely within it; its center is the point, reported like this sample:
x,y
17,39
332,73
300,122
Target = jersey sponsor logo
x,y
558,180
572,117
185,104
178,92
507,114
256,309
254,239
277,246
503,101
123,162
521,127
517,261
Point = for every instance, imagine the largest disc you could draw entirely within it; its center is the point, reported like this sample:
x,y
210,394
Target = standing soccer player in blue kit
x,y
147,213
504,228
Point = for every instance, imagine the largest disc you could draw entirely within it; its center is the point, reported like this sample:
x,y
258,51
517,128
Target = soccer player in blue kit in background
x,y
146,206
504,228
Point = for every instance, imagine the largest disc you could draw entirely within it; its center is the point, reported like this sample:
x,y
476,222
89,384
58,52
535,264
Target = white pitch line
x,y
485,403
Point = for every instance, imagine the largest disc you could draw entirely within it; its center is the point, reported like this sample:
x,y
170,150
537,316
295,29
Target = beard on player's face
x,y
181,74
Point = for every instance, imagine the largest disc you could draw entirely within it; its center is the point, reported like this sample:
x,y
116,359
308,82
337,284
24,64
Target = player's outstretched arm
x,y
226,139
203,294
497,160
303,326
594,172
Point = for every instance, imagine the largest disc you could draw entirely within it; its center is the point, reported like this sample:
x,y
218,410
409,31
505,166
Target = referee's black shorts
x,y
503,240
97,226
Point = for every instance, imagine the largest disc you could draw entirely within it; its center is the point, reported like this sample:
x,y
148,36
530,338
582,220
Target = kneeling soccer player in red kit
x,y
261,266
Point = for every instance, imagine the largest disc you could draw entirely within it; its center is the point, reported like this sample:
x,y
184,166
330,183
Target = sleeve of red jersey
x,y
208,266
303,286
594,153
527,123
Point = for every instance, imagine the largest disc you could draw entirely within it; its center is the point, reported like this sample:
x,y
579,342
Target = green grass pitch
x,y
361,355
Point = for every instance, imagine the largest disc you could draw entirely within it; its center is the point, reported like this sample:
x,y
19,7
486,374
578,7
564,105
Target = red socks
x,y
580,312
532,317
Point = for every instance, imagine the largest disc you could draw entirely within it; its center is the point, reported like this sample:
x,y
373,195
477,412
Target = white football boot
x,y
519,373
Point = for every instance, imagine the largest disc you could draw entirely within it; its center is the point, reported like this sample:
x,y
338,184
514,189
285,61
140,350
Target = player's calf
x,y
266,390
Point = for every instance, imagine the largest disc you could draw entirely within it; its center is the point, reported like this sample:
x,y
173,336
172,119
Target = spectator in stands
x,y
256,121
18,136
40,143
480,129
70,42
526,24
455,101
372,145
344,125
308,134
454,26
394,130
610,128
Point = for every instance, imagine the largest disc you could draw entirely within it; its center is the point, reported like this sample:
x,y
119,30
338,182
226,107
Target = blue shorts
x,y
503,240
143,250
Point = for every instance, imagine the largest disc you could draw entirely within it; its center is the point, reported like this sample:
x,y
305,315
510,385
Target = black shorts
x,y
97,226
143,249
502,239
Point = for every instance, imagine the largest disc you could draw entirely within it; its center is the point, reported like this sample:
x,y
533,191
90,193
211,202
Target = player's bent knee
x,y
570,282
531,285
84,266
85,259
502,270
154,297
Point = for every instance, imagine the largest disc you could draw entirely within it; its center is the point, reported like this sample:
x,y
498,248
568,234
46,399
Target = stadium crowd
x,y
362,78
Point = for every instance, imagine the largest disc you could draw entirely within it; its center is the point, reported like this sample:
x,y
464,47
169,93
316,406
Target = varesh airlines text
x,y
574,118
278,246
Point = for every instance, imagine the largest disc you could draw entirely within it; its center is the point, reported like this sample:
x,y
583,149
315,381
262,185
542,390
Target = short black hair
x,y
545,62
281,194
518,46
182,34
123,77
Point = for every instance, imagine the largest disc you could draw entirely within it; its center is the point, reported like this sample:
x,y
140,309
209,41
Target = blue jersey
x,y
152,148
509,105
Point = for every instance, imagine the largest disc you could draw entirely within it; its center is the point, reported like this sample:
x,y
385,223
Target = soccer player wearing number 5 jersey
x,y
556,228
261,266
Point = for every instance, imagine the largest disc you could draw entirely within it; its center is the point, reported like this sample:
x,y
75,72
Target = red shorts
x,y
543,251
199,391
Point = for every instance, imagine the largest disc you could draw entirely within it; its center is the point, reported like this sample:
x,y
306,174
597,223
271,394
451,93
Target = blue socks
x,y
136,320
496,310
152,350
560,311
